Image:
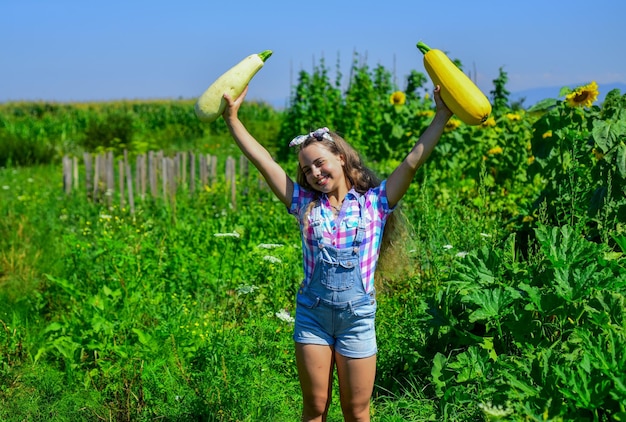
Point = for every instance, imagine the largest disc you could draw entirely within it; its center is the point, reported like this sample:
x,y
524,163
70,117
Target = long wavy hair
x,y
393,257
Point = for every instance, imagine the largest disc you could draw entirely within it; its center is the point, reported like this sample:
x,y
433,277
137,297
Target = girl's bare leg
x,y
356,384
315,370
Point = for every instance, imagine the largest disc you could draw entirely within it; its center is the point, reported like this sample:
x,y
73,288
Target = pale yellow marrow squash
x,y
211,104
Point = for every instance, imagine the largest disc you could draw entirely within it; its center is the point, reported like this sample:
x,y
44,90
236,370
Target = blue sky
x,y
68,50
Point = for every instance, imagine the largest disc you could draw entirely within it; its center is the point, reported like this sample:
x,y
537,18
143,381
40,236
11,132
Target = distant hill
x,y
533,95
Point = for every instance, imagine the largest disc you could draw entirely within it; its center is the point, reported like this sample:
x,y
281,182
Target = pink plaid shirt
x,y
340,232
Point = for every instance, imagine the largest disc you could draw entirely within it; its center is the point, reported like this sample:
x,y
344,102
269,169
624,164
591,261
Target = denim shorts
x,y
347,327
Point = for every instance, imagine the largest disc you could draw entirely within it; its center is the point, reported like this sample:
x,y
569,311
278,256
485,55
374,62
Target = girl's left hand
x,y
441,105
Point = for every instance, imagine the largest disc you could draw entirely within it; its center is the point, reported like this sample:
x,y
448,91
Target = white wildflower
x,y
105,217
269,245
244,289
492,411
233,234
284,316
447,246
462,254
272,259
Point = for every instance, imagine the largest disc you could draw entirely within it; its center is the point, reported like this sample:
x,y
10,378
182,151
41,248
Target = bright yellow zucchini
x,y
458,91
211,103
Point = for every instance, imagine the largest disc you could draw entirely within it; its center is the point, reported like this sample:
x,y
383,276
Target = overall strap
x,y
360,231
318,230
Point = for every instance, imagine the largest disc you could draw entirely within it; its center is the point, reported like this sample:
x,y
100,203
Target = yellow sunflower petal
x,y
583,96
397,98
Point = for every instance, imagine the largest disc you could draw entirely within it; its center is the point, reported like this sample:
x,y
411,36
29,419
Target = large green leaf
x,y
477,268
533,295
437,373
492,304
607,134
470,365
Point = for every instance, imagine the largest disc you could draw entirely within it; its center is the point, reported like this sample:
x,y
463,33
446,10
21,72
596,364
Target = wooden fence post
x,y
75,168
120,176
203,170
96,175
88,172
67,175
152,167
192,173
164,176
231,180
110,178
129,183
213,169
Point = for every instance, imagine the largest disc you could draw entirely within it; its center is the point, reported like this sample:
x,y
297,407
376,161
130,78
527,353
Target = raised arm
x,y
276,177
400,179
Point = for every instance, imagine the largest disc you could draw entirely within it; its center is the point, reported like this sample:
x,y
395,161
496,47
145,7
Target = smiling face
x,y
323,170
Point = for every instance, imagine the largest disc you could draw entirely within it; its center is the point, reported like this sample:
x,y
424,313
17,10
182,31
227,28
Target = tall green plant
x,y
499,94
366,108
315,102
581,155
364,113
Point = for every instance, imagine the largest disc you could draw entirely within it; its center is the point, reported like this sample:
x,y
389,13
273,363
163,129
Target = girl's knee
x,y
356,414
315,406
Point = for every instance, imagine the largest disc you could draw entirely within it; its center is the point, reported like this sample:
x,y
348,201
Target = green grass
x,y
125,317
111,316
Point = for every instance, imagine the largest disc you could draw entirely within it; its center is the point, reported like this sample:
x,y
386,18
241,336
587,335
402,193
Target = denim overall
x,y
335,300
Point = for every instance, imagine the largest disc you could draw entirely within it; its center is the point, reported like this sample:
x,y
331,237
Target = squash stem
x,y
265,55
423,47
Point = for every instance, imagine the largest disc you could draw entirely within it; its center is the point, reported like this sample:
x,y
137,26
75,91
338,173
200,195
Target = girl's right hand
x,y
232,105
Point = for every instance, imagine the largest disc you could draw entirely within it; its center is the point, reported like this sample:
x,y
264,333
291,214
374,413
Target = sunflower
x,y
452,124
598,154
490,122
425,113
514,117
397,98
583,96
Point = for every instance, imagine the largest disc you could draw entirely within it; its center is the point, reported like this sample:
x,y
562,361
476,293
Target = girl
x,y
342,210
